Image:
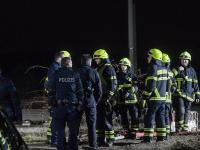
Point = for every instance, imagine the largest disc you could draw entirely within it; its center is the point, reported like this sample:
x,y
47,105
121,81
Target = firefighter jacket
x,y
66,86
171,85
91,84
187,83
9,100
127,88
156,82
108,78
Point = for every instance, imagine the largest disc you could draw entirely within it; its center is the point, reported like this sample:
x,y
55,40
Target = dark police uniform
x,y
92,94
187,91
51,132
104,108
67,89
9,101
127,86
155,96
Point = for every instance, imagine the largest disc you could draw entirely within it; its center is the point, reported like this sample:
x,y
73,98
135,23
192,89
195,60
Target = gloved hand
x,y
126,95
108,106
181,68
79,107
197,101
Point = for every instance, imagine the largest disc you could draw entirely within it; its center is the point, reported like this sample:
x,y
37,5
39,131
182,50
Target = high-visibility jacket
x,y
127,86
108,78
171,86
156,82
187,83
4,143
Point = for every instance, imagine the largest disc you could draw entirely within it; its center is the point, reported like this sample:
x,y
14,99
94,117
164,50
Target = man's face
x,y
97,61
149,58
70,64
123,68
184,62
59,60
90,62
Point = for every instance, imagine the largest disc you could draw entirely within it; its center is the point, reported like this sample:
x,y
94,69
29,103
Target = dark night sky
x,y
31,31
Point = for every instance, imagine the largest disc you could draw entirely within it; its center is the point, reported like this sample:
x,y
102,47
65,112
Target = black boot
x,y
160,138
101,141
147,139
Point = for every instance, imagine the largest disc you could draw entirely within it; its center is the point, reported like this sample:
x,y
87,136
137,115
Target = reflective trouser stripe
x,y
49,133
167,129
161,131
180,124
185,126
148,132
109,134
100,134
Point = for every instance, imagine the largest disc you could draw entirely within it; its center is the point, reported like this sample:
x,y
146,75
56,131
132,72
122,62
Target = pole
x,y
132,34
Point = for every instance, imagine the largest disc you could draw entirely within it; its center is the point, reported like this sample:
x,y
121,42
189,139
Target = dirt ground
x,y
190,142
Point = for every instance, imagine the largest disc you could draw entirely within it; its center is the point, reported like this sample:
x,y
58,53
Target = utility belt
x,y
64,102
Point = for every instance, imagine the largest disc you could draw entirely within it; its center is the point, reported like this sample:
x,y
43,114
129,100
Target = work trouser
x,y
168,117
104,125
131,110
155,117
62,115
51,131
182,109
90,113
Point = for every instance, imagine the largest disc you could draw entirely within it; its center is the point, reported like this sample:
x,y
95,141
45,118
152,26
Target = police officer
x,y
9,101
51,133
92,94
127,89
67,89
171,87
155,96
187,88
104,108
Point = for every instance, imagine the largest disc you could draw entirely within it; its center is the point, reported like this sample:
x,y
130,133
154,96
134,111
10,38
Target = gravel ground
x,y
190,142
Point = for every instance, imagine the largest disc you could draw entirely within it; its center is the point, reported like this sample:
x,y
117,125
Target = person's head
x,y
185,58
100,55
66,62
124,64
166,60
154,54
86,59
58,57
65,53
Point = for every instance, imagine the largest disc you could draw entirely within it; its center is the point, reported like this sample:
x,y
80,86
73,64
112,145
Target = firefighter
x,y
171,87
3,142
9,100
92,94
105,132
187,90
67,90
51,133
155,96
127,100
